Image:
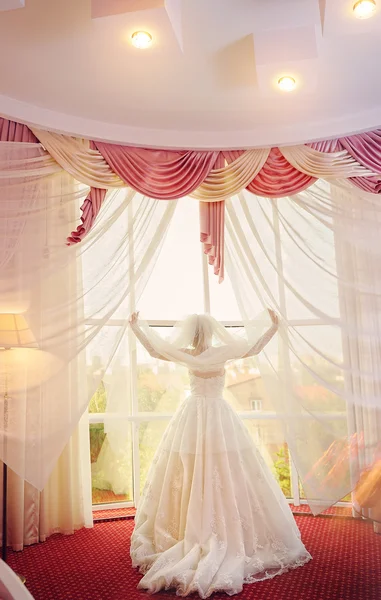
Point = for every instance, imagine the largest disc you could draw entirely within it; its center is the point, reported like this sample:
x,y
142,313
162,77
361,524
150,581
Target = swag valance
x,y
315,255
208,176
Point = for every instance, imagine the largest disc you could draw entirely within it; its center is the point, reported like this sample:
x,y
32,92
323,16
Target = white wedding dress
x,y
212,517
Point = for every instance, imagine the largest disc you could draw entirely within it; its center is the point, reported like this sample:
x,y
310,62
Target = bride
x,y
211,516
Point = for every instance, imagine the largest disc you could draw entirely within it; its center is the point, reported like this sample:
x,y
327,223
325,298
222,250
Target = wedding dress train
x,y
212,517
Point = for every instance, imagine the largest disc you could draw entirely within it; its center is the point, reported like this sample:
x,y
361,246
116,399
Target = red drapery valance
x,y
168,175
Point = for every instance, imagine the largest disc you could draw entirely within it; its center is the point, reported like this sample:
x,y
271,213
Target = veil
x,y
201,343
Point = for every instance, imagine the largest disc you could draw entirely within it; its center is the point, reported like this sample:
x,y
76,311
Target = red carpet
x,y
113,513
94,564
119,513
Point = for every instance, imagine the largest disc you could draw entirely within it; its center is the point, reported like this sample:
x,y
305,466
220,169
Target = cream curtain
x,y
76,300
361,304
314,258
324,164
65,503
89,167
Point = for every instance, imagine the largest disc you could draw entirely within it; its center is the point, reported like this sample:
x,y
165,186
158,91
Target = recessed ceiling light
x,y
287,83
363,9
141,39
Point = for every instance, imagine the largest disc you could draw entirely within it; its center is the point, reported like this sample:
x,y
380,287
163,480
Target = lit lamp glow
x,y
141,39
14,334
363,9
287,83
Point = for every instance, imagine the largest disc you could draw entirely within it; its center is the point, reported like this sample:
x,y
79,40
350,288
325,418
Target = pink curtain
x,y
160,174
90,209
326,146
168,175
212,229
366,149
278,178
10,131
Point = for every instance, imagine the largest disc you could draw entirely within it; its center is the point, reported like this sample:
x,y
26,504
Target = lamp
x,y
14,334
141,39
287,83
363,9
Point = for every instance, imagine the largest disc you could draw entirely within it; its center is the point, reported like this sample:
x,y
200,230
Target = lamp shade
x,y
15,332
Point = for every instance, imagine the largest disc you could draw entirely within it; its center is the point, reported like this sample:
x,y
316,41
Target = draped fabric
x,y
228,180
62,505
161,174
365,148
212,229
316,255
76,298
79,159
279,178
90,210
327,165
362,352
15,132
68,295
168,174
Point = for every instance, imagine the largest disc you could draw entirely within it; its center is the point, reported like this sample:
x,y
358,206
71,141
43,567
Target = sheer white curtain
x,y
305,256
65,503
360,304
76,301
293,254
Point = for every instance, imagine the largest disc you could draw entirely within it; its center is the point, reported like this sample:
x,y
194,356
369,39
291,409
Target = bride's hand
x,y
273,316
133,318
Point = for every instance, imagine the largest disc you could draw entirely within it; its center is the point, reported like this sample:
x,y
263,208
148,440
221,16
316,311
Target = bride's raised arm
x,y
134,324
266,337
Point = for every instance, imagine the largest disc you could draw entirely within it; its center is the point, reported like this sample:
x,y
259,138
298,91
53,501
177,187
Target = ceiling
x,y
209,78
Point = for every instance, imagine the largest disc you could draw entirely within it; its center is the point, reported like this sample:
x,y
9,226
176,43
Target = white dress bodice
x,y
207,387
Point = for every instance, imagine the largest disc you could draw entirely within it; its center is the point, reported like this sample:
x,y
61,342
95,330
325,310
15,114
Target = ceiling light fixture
x,y
141,39
287,83
363,9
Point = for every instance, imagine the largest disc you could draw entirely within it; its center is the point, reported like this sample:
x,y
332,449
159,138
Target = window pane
x,y
161,385
174,288
98,402
223,305
327,341
150,434
254,239
309,262
111,462
244,388
114,391
315,396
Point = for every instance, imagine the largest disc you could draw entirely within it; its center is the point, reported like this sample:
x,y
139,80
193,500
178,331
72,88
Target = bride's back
x,y
203,374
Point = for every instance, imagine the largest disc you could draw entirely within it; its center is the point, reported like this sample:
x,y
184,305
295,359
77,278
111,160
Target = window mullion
x,y
133,362
205,280
284,354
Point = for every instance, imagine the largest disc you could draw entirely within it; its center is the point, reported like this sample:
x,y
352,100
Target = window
x,y
149,391
256,404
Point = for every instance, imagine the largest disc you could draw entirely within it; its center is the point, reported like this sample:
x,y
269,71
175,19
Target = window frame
x,y
136,417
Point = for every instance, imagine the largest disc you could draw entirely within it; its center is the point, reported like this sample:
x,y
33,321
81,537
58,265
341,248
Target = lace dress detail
x,y
211,517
